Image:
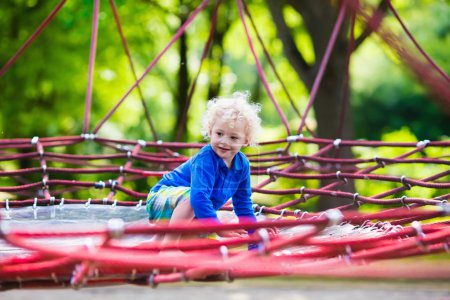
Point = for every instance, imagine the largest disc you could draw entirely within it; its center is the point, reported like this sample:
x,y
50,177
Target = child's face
x,y
227,138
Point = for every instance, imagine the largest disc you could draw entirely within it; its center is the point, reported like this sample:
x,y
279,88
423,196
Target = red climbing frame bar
x,y
93,49
146,264
323,64
411,37
133,70
43,164
345,103
152,64
32,38
436,84
261,70
122,171
73,265
272,65
202,59
194,264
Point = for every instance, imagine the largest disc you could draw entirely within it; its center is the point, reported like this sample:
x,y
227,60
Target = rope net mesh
x,y
60,228
73,213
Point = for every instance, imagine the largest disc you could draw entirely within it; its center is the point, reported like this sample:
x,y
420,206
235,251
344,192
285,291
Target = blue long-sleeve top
x,y
212,183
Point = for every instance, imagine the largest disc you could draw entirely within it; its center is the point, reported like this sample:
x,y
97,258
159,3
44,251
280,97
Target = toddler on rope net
x,y
219,171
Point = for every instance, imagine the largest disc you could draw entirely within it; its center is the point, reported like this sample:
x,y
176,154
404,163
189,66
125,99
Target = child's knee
x,y
183,210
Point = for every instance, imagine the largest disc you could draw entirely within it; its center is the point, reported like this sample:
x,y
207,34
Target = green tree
x,y
313,30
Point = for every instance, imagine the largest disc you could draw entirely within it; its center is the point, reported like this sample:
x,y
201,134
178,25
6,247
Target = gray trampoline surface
x,y
72,217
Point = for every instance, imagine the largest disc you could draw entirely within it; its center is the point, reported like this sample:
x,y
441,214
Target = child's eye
x,y
234,138
219,133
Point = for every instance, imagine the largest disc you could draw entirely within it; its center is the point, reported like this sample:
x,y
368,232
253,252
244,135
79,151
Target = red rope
x,y
202,59
74,265
272,65
45,177
133,70
436,84
323,64
32,38
261,70
152,64
346,88
197,264
93,48
421,50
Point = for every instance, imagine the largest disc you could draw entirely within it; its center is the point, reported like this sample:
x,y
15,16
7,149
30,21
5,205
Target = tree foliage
x,y
43,93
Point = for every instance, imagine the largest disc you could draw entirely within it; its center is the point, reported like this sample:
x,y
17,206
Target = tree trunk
x,y
182,91
216,55
319,18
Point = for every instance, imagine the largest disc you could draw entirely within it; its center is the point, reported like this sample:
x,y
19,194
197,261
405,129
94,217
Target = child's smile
x,y
227,138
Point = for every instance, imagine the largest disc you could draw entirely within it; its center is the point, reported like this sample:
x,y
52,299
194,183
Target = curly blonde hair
x,y
233,108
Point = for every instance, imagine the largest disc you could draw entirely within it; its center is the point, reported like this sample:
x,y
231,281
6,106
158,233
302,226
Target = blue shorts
x,y
160,204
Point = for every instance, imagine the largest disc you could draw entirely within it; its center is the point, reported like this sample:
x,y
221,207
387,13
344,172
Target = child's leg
x,y
182,213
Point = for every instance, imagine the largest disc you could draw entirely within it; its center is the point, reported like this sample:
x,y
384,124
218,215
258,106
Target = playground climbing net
x,y
53,239
72,208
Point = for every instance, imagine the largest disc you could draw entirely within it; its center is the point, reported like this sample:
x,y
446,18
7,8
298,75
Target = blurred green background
x,y
43,93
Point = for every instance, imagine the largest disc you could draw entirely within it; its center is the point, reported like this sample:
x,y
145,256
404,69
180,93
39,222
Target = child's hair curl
x,y
232,108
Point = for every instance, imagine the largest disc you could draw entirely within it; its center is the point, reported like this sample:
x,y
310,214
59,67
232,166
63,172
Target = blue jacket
x,y
212,184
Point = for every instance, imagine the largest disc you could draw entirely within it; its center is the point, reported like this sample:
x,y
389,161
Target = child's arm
x,y
242,203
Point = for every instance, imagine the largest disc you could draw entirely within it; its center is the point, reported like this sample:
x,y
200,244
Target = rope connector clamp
x,y
336,143
34,140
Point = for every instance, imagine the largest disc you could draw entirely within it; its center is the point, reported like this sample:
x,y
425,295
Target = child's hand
x,y
233,233
272,231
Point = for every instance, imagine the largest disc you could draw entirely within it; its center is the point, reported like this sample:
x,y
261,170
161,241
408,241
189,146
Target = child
x,y
219,171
